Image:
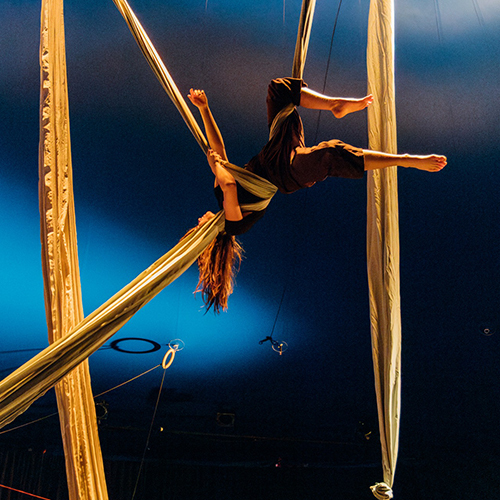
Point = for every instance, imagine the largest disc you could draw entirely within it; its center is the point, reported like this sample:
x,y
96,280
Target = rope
x,y
287,280
124,383
96,396
279,307
22,350
331,45
22,492
28,423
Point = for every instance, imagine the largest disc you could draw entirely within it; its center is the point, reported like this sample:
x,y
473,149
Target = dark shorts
x,y
328,159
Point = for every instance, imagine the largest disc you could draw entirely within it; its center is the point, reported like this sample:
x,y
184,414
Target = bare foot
x,y
342,107
430,163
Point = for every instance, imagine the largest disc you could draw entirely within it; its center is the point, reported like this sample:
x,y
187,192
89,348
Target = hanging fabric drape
x,y
161,72
383,239
63,302
303,35
299,59
251,182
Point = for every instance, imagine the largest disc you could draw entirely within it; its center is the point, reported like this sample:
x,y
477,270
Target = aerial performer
x,y
286,162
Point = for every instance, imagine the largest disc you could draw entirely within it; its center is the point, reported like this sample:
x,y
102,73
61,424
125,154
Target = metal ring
x,y
166,364
176,344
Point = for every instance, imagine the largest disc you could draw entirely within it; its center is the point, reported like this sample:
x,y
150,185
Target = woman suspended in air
x,y
287,163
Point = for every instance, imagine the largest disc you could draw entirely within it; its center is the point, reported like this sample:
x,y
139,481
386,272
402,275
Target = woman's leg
x,y
339,106
375,160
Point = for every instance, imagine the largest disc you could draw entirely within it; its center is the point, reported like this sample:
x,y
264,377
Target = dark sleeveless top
x,y
244,197
273,162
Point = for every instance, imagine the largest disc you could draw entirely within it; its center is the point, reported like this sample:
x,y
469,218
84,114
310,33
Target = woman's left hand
x,y
198,98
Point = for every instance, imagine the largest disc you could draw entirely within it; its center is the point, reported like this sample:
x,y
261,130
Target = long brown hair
x,y
218,265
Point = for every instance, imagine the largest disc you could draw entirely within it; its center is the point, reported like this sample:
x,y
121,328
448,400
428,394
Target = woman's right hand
x,y
205,218
198,98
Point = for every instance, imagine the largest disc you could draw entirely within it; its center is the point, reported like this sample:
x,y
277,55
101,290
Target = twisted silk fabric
x,y
299,59
383,239
303,35
63,302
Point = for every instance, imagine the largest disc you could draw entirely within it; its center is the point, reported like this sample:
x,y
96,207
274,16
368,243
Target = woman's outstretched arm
x,y
227,183
199,99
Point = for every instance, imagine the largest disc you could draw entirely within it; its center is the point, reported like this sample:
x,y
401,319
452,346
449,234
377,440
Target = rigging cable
x,y
149,433
23,492
98,395
270,337
439,24
479,14
327,67
275,344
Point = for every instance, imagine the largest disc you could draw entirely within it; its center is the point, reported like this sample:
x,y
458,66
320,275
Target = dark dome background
x,y
141,181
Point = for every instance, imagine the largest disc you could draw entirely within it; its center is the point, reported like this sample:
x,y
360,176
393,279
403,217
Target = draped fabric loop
x,y
280,118
253,184
381,491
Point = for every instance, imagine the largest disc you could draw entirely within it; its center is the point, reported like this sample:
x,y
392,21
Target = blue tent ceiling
x,y
141,181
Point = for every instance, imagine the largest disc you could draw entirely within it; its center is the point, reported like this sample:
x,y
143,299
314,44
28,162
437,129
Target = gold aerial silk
x,y
161,72
383,239
299,59
63,302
